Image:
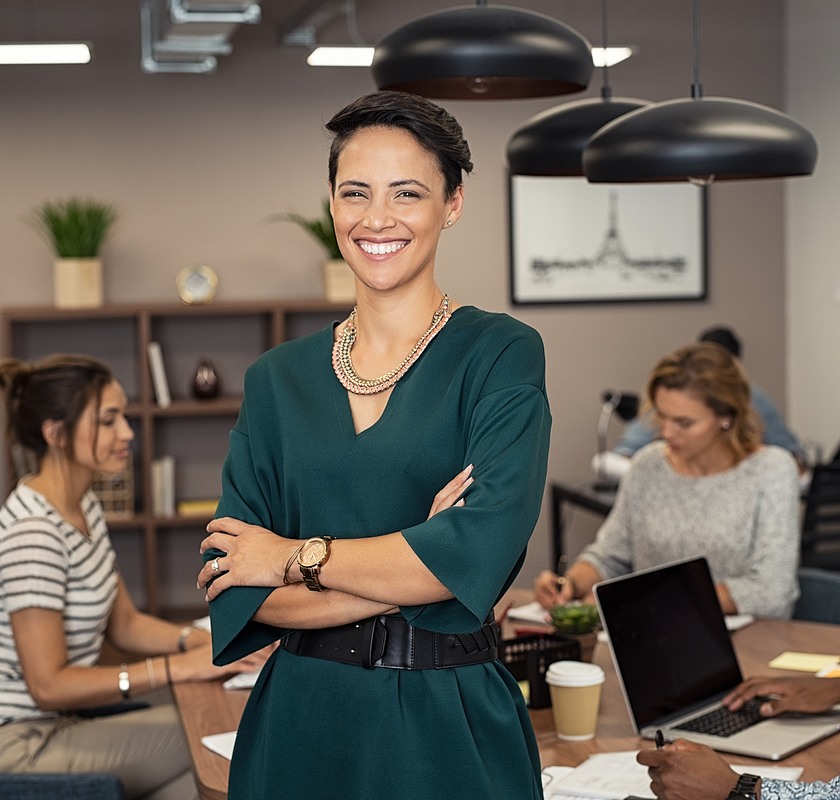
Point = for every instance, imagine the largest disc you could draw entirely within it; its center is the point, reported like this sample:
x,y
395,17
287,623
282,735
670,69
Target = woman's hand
x,y
450,495
548,593
197,664
254,556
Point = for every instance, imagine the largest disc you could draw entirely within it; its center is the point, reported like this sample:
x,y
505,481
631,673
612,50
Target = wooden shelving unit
x,y
159,555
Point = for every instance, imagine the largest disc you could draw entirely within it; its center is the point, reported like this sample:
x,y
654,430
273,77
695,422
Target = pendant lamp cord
x,y
606,89
696,87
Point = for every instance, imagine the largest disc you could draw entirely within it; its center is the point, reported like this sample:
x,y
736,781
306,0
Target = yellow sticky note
x,y
804,662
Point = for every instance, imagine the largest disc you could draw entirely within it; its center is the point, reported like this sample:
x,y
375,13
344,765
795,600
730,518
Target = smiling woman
x,y
337,538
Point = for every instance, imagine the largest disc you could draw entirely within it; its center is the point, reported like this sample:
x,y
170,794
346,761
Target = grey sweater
x,y
744,521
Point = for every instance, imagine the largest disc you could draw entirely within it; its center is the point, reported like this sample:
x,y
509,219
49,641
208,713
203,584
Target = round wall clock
x,y
197,284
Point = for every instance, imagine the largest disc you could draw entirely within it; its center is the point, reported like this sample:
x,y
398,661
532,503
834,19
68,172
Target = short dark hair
x,y
434,128
58,387
723,336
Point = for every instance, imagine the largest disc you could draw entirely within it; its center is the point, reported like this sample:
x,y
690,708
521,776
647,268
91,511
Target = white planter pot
x,y
339,281
77,282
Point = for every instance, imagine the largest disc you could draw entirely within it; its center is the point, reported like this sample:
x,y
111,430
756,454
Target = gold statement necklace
x,y
343,363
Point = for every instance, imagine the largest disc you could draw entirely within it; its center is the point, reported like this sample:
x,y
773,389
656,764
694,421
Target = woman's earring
x,y
724,426
448,222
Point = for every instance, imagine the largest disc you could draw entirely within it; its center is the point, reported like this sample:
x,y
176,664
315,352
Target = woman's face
x,y
389,208
689,427
102,439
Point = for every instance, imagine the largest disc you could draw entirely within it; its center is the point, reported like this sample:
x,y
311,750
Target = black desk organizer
x,y
528,657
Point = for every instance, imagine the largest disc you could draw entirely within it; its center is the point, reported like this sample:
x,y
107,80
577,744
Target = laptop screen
x,y
669,639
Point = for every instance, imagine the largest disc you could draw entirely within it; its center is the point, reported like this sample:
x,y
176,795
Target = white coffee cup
x,y
575,688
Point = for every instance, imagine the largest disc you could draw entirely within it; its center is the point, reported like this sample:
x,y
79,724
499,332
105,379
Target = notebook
x,y
675,662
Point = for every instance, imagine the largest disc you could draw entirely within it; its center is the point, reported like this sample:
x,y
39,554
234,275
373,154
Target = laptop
x,y
675,662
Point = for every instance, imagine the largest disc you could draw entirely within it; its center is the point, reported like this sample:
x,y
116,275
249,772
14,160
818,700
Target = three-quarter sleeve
x,y
234,633
476,550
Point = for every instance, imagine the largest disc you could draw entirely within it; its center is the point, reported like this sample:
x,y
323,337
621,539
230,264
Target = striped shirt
x,y
45,562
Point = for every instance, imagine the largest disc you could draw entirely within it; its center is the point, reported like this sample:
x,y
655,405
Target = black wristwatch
x,y
745,788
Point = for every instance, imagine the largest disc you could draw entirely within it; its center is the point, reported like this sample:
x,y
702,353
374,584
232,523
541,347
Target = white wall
x,y
813,251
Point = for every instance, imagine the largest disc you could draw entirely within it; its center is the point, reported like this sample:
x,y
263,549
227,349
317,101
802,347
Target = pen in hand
x,y
660,739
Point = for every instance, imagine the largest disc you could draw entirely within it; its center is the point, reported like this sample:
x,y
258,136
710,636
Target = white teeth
x,y
381,249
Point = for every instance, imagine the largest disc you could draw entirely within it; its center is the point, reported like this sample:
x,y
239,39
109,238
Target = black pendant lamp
x,y
699,139
483,52
552,142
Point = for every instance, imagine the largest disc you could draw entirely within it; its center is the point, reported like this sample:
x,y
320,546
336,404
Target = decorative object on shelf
x,y
699,139
197,284
205,384
484,52
75,230
579,622
116,492
339,281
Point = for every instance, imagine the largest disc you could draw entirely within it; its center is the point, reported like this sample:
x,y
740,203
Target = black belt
x,y
389,641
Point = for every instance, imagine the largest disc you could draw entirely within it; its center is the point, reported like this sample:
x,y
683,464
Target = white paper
x,y
530,612
221,743
244,680
614,776
534,612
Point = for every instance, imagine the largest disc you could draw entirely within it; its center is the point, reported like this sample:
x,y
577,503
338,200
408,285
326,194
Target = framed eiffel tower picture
x,y
576,242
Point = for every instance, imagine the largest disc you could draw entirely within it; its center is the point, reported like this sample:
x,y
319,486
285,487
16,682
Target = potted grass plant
x,y
75,230
339,283
578,621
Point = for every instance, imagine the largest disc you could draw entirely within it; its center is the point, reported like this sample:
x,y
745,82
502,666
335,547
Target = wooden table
x,y
207,708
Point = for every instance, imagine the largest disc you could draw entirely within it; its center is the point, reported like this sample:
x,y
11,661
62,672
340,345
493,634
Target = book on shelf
x,y
198,508
159,381
163,486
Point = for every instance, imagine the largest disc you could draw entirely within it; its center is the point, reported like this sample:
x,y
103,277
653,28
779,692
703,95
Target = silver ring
x,y
214,565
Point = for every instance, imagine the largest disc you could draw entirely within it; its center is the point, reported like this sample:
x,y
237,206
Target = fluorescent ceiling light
x,y
359,56
346,56
609,56
45,53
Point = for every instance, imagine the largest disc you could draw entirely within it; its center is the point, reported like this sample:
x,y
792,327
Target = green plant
x,y
74,228
320,228
581,618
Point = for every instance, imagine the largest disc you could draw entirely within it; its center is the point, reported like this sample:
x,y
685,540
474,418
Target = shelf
x,y
222,406
159,555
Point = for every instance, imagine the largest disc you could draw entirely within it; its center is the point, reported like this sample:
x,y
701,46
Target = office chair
x,y
820,543
61,786
819,596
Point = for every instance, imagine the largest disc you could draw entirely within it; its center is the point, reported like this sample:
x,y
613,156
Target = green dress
x,y
322,730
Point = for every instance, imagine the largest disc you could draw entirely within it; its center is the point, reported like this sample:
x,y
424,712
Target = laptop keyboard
x,y
723,722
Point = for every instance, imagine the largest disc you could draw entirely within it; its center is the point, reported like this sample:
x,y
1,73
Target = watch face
x,y
313,553
197,284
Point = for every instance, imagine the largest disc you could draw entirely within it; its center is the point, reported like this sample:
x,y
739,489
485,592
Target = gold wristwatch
x,y
312,556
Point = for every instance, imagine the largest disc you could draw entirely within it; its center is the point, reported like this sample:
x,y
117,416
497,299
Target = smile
x,y
381,248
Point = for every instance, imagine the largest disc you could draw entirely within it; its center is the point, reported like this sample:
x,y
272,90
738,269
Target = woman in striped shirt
x,y
61,596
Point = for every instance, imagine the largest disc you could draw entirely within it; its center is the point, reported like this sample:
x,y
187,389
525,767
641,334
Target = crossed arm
x,y
365,576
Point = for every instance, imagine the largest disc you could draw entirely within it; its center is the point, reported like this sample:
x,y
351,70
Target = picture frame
x,y
577,242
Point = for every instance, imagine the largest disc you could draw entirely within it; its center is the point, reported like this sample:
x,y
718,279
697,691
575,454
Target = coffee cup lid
x,y
574,673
